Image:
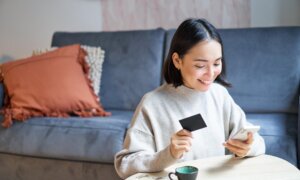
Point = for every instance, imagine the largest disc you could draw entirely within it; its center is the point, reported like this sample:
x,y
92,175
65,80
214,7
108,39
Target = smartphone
x,y
242,134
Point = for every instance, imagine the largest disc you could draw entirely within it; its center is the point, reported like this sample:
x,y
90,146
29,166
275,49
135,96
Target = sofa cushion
x,y
51,84
94,58
132,66
94,139
263,66
279,132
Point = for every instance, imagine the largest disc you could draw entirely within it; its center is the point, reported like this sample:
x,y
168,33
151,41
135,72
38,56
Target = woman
x,y
194,71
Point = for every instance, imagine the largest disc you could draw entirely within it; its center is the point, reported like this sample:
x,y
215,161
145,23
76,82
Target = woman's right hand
x,y
181,142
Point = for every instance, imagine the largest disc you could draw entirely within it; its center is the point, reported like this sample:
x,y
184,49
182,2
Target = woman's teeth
x,y
205,82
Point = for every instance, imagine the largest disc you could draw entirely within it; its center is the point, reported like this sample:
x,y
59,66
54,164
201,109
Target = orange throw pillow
x,y
54,84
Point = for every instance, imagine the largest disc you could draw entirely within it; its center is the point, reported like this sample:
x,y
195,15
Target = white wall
x,y
28,25
275,13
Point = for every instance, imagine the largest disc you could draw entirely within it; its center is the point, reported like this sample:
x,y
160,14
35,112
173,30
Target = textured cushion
x,y
94,58
263,66
94,139
132,66
51,84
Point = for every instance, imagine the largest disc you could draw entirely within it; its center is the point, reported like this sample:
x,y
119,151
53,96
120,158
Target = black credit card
x,y
193,123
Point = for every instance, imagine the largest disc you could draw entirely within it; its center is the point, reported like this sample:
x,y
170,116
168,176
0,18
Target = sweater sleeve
x,y
139,153
237,120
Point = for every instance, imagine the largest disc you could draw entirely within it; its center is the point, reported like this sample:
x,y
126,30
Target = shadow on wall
x,y
5,58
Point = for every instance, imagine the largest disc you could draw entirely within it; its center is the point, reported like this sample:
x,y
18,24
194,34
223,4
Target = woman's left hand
x,y
238,147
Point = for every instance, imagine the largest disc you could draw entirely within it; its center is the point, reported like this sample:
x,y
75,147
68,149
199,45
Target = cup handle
x,y
170,175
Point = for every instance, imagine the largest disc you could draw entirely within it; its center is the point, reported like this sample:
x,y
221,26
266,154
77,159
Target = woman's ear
x,y
176,60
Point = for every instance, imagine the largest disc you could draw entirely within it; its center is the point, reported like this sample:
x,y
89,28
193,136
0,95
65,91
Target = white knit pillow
x,y
94,58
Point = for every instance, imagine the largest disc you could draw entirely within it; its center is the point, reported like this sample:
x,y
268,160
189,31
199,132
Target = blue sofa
x,y
263,64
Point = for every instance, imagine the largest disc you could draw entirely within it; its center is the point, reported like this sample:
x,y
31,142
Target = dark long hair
x,y
189,33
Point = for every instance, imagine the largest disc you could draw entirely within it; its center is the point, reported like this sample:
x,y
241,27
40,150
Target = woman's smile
x,y
207,83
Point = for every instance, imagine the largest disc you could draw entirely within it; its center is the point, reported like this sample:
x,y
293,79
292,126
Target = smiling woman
x,y
196,54
201,65
195,74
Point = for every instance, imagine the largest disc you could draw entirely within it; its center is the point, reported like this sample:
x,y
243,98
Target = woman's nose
x,y
209,72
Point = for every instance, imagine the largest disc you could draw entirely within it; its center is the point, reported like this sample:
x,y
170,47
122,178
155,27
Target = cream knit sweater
x,y
156,119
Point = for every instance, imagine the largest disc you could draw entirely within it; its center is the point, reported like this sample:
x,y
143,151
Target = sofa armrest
x,y
1,95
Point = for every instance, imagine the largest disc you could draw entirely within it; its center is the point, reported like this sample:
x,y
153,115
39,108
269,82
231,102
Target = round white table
x,y
262,167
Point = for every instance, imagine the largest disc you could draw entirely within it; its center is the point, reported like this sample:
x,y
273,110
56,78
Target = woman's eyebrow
x,y
204,60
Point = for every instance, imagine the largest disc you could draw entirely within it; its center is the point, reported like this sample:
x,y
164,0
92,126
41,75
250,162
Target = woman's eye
x,y
199,67
217,64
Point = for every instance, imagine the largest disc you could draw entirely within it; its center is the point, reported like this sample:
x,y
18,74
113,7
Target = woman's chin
x,y
203,87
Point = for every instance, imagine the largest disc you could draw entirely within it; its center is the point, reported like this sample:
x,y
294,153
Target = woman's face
x,y
201,65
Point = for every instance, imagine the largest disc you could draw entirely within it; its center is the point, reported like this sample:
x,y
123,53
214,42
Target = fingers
x,y
240,148
184,132
183,146
178,148
183,137
238,144
250,138
181,142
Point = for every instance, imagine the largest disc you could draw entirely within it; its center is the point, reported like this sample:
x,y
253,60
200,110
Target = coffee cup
x,y
185,173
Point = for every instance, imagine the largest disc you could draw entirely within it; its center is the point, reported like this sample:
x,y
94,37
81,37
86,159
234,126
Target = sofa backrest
x,y
263,65
132,64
